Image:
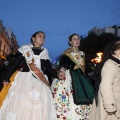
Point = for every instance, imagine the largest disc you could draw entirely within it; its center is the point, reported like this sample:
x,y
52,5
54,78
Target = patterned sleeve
x,y
54,86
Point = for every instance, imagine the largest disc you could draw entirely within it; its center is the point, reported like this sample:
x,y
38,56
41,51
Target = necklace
x,y
77,56
35,47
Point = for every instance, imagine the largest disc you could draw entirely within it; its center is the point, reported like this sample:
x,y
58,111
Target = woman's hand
x,y
5,83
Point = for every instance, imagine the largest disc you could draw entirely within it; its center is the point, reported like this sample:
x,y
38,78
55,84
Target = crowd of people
x,y
32,90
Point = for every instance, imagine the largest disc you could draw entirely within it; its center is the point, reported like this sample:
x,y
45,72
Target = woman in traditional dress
x,y
73,94
29,97
108,107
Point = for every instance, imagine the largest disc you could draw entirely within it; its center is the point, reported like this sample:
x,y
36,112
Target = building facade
x,y
7,40
113,30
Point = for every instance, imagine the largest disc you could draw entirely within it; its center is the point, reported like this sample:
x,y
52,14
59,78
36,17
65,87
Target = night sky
x,y
57,18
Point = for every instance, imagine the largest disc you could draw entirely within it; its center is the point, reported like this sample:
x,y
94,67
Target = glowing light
x,y
98,59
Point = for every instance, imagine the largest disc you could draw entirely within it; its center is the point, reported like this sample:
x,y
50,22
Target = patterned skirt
x,y
66,109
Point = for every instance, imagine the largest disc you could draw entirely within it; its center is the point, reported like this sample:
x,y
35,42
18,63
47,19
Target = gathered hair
x,y
14,47
34,35
70,38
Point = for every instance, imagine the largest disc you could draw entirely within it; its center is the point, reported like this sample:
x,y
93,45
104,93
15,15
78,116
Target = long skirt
x,y
28,99
66,109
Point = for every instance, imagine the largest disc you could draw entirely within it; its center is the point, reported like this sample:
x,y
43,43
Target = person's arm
x,y
49,68
12,67
66,63
8,56
108,75
2,65
54,87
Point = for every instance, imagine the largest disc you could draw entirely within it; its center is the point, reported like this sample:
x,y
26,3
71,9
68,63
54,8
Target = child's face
x,y
39,39
75,41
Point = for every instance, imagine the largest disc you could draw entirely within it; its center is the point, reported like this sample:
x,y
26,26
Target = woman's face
x,y
39,39
15,49
75,41
117,52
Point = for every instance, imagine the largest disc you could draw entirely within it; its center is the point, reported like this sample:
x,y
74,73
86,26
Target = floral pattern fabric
x,y
63,101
